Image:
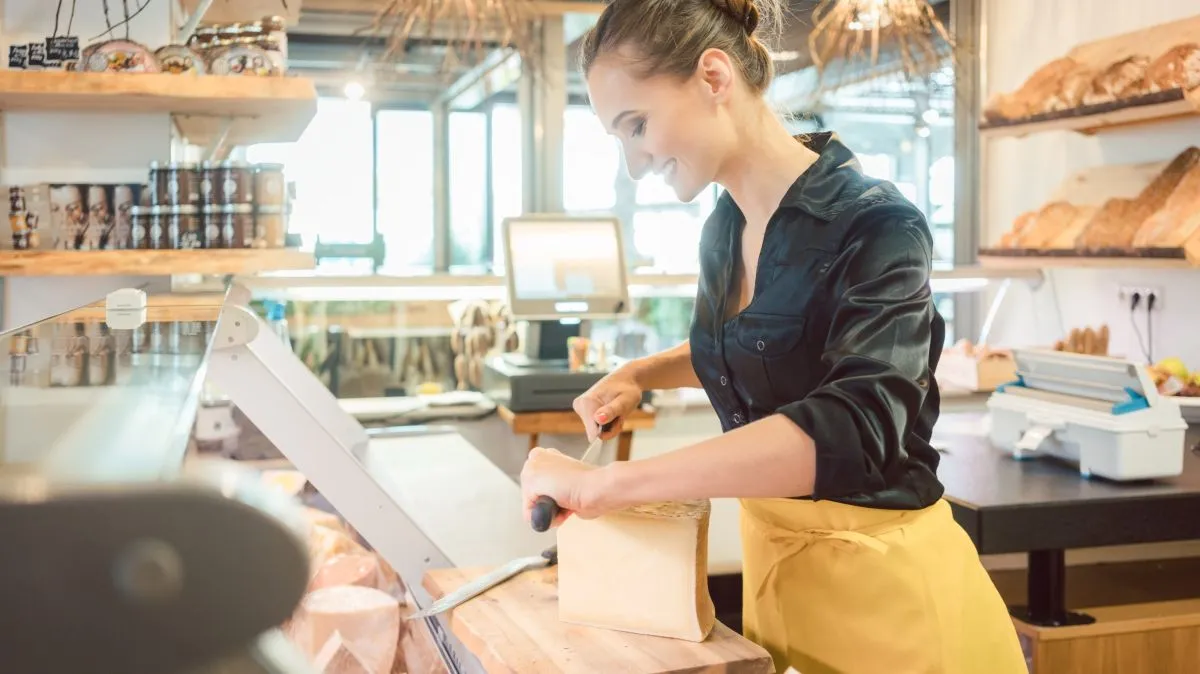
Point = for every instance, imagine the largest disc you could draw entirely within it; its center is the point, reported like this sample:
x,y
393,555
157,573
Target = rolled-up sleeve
x,y
877,352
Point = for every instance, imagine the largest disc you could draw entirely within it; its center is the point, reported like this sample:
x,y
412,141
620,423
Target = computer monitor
x,y
561,266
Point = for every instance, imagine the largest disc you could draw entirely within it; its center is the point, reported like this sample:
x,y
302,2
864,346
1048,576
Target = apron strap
x,y
788,544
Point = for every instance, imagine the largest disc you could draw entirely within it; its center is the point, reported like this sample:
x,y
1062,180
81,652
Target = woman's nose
x,y
638,164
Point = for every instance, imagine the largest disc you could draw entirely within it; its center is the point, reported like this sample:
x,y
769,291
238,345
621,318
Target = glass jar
x,y
237,226
270,188
270,227
156,228
140,227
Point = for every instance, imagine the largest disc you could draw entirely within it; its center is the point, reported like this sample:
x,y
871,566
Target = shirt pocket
x,y
774,352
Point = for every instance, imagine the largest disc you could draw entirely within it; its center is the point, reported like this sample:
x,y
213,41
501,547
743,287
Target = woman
x,y
815,337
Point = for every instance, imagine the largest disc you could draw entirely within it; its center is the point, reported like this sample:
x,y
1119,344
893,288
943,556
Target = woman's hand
x,y
576,487
613,397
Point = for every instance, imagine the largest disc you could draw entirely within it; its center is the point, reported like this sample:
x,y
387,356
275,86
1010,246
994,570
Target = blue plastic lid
x,y
276,311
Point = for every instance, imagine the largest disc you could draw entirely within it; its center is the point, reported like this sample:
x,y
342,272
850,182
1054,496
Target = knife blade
x,y
544,508
548,558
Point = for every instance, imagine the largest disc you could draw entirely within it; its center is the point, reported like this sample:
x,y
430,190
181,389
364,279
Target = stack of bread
x,y
1066,84
1164,215
1086,341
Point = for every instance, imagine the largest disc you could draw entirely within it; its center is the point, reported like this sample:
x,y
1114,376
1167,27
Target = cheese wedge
x,y
338,658
352,569
642,570
367,620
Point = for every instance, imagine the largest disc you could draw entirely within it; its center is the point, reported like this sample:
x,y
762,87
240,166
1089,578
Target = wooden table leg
x,y
624,445
533,441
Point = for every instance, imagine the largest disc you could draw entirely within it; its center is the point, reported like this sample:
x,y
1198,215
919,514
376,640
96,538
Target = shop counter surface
x,y
514,627
1043,507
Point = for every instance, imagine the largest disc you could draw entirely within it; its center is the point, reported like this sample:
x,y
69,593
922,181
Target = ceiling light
x,y
355,90
930,116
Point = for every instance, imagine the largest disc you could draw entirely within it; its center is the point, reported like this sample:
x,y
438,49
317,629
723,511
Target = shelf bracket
x,y
193,22
218,148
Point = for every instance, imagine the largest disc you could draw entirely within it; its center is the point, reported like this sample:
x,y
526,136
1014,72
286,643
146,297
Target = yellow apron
x,y
833,588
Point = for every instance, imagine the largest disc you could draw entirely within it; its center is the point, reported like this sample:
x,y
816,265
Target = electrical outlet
x,y
1125,295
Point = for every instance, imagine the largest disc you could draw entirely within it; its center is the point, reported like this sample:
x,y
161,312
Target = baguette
x,y
1034,95
1051,220
1069,235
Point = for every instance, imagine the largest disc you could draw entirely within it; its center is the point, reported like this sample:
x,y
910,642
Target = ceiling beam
x,y
372,7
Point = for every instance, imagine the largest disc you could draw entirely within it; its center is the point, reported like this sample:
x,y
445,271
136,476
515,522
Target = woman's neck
x,y
765,164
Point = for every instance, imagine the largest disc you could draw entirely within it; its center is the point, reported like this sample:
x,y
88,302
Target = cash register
x,y
561,272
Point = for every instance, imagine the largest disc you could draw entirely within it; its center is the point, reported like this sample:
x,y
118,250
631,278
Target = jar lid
x,y
262,168
135,211
159,165
232,163
183,210
182,166
270,210
212,208
237,208
158,210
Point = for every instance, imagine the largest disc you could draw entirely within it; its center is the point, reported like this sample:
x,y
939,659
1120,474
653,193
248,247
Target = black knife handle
x,y
545,509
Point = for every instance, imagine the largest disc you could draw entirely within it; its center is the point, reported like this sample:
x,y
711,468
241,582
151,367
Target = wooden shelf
x,y
1110,120
1081,262
262,109
242,11
150,262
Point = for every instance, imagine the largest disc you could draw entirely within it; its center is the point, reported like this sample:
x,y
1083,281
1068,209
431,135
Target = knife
x,y
548,558
544,508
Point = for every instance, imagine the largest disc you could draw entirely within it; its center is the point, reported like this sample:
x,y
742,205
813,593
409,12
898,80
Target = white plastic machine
x,y
1103,414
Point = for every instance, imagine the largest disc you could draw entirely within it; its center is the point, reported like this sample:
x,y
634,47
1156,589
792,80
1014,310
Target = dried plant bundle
x,y
846,30
471,28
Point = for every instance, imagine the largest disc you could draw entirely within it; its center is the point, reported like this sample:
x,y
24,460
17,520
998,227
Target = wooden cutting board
x,y
514,629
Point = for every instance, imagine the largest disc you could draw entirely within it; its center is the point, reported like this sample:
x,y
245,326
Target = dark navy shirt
x,y
841,335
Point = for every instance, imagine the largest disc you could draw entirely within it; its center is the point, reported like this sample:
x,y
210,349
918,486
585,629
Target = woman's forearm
x,y
668,369
771,457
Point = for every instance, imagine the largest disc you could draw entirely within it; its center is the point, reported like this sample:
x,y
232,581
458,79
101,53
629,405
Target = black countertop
x,y
1010,505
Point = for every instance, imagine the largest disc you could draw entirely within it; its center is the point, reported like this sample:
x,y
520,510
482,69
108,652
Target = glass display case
x,y
115,543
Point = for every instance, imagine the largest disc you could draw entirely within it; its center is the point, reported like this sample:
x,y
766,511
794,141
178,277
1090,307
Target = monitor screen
x,y
565,267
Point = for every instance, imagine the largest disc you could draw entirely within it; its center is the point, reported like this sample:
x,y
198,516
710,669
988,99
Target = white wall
x,y
1020,175
76,147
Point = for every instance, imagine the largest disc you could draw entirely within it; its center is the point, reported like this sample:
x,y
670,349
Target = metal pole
x,y
966,18
441,188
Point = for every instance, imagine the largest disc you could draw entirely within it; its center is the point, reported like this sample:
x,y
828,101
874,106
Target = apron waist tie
x,y
788,544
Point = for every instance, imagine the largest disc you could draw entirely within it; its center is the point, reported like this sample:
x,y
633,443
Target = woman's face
x,y
680,129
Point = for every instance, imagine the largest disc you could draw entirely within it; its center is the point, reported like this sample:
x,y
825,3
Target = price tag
x,y
61,49
18,56
37,54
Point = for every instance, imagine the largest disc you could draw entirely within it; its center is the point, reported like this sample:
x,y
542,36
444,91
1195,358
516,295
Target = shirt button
x,y
724,381
737,418
761,345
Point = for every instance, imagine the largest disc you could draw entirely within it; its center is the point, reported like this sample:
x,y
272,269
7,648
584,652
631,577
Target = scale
x,y
1102,414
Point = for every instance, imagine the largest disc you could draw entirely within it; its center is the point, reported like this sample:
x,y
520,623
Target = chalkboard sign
x,y
37,54
63,48
18,56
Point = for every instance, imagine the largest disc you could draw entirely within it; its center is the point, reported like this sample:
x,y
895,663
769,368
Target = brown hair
x,y
668,36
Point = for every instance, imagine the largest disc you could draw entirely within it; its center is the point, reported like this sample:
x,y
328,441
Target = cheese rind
x,y
642,570
367,620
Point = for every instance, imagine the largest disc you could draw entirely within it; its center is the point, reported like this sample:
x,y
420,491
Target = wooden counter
x,y
514,629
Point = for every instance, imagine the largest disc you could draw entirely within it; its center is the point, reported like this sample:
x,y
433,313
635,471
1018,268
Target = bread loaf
x,y
1051,220
1124,79
1068,236
1178,68
1012,238
1034,95
1114,225
1070,92
1175,222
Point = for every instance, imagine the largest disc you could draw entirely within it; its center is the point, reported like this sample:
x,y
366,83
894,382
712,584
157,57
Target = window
x,y
468,188
591,162
331,167
508,178
404,186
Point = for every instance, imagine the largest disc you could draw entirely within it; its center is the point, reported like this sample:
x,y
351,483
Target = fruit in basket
x,y
1175,367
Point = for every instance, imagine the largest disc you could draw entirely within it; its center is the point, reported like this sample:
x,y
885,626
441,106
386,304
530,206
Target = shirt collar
x,y
828,186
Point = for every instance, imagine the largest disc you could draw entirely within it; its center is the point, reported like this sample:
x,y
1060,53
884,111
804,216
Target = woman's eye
x,y
639,128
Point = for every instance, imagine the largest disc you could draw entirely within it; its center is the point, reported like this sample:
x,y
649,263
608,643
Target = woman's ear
x,y
716,72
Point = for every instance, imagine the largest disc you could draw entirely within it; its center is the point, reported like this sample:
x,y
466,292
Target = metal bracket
x,y
237,327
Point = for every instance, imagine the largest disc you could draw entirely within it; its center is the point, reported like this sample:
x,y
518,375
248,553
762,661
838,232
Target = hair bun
x,y
745,12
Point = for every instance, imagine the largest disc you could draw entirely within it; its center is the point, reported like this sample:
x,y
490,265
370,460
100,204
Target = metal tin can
x,y
235,183
156,228
16,199
139,231
210,224
237,226
183,228
174,184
